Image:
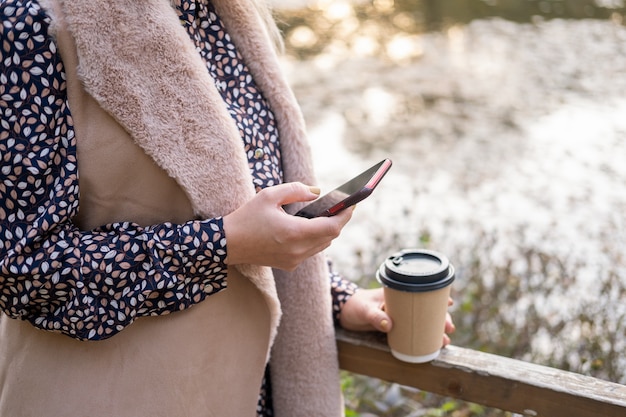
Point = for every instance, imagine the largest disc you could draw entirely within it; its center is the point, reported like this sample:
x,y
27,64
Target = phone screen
x,y
347,194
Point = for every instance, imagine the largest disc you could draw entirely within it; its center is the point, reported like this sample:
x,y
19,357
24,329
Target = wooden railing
x,y
486,379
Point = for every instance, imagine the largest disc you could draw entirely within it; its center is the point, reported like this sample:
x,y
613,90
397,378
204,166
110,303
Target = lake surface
x,y
507,123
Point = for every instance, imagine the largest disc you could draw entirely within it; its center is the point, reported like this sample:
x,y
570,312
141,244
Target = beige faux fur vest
x,y
149,120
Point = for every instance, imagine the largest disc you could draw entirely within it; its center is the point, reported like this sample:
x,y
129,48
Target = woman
x,y
127,195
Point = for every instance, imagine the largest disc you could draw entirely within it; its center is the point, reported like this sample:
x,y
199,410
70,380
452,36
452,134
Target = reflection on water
x,y
438,14
311,26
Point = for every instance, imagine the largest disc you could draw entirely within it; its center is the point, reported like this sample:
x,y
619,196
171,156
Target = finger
x,y
380,320
385,325
449,327
292,192
333,224
317,249
376,317
325,228
344,216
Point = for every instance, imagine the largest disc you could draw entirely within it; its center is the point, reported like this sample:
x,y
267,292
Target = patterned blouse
x,y
92,284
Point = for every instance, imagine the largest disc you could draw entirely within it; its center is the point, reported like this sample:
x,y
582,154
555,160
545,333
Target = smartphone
x,y
348,194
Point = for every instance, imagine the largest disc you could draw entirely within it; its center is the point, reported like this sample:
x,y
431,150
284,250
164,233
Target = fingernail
x,y
384,324
315,190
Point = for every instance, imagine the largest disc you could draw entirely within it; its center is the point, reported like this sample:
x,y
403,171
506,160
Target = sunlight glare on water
x,y
492,125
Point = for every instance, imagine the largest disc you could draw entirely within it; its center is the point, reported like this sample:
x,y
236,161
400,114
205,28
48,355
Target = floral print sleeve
x,y
341,291
86,284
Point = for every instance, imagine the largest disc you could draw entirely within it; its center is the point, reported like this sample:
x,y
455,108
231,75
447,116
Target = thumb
x,y
381,321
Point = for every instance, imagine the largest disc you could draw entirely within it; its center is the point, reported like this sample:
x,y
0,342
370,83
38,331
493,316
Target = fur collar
x,y
136,60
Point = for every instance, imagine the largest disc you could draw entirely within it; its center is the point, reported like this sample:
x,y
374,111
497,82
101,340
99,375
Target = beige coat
x,y
155,143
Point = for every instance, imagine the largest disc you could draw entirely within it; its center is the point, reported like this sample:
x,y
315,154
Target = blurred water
x,y
511,127
493,125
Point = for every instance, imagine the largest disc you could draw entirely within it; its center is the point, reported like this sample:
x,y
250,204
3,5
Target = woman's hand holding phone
x,y
261,233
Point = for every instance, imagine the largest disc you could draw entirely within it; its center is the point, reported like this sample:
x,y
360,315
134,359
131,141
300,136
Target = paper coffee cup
x,y
417,287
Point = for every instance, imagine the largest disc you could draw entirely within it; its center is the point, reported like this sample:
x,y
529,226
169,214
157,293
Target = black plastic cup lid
x,y
416,270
